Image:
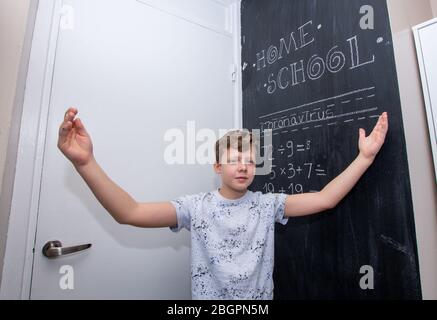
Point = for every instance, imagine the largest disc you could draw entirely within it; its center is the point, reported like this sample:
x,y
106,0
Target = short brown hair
x,y
236,139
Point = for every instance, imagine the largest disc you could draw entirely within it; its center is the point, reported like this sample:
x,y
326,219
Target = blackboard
x,y
314,72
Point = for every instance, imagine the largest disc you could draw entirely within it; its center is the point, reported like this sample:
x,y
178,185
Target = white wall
x,y
13,18
13,42
434,7
403,15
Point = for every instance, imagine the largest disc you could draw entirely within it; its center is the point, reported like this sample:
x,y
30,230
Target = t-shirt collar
x,y
231,201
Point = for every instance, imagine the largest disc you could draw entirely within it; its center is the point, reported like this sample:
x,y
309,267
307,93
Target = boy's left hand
x,y
370,146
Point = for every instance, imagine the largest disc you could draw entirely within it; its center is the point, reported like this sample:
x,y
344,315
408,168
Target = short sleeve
x,y
279,207
184,206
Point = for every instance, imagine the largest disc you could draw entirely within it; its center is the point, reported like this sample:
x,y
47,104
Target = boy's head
x,y
235,159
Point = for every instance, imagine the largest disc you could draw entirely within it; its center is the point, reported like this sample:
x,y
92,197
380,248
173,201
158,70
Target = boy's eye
x,y
249,162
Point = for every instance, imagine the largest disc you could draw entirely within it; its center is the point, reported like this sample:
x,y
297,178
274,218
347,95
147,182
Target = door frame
x,y
25,156
426,89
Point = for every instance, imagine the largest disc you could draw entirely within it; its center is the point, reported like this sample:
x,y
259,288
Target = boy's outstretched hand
x,y
370,146
74,141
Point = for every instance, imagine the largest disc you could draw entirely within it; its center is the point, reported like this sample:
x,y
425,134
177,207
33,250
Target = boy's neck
x,y
231,194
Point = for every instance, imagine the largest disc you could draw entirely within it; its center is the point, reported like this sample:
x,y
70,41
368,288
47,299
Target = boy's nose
x,y
242,166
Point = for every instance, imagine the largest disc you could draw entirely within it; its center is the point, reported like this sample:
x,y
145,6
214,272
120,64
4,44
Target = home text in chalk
x,y
347,56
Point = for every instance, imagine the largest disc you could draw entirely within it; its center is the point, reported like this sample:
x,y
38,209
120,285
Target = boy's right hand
x,y
74,141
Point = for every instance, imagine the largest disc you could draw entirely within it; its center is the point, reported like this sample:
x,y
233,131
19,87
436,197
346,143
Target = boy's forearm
x,y
113,198
344,182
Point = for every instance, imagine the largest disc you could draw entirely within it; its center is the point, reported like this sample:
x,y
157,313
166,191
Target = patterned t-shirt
x,y
232,243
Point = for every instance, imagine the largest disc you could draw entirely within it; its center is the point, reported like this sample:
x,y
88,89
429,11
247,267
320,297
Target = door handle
x,y
54,249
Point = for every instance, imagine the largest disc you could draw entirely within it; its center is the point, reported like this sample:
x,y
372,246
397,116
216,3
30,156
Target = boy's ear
x,y
217,168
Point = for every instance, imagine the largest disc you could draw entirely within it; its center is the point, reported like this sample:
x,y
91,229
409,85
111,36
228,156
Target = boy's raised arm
x,y
75,143
333,192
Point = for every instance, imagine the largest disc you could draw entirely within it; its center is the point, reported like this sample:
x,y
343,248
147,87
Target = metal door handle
x,y
54,249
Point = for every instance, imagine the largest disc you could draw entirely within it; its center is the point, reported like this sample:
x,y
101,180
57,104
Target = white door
x,y
134,69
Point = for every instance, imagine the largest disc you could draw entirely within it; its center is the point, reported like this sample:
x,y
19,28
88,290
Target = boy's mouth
x,y
241,179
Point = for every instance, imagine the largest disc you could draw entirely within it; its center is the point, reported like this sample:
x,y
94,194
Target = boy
x,y
232,228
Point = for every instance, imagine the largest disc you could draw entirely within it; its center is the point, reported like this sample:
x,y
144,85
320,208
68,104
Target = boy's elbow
x,y
127,218
327,202
122,220
330,205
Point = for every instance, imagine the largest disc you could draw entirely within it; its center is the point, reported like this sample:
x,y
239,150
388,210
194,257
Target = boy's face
x,y
237,169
